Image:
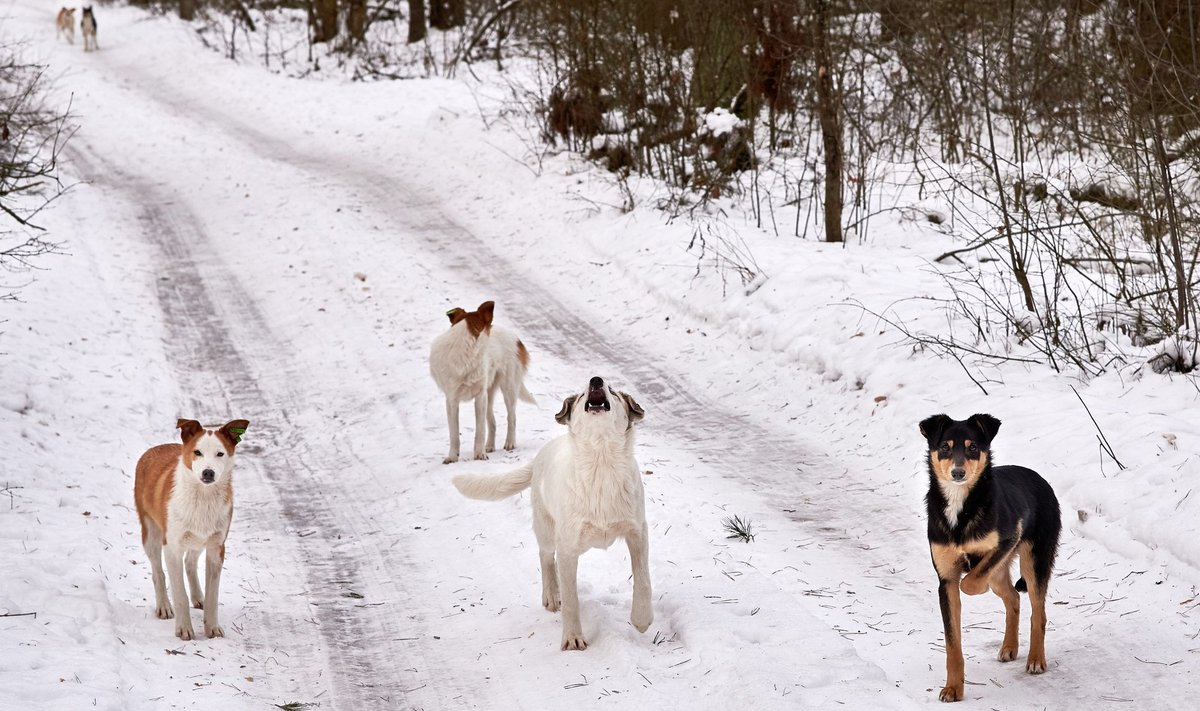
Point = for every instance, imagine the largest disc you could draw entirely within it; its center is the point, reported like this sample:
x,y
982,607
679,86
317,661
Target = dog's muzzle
x,y
208,476
597,400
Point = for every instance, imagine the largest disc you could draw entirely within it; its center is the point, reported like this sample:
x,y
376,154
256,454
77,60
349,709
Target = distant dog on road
x,y
88,25
472,361
586,493
65,24
184,497
980,519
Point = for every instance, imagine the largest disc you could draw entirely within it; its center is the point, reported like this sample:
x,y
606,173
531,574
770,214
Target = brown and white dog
x,y
184,496
88,26
472,361
65,24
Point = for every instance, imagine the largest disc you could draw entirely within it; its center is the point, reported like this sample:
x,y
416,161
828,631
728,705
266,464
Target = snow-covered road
x,y
250,246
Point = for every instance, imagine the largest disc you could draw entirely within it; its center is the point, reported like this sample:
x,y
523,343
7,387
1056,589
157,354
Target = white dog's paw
x,y
450,459
510,445
164,612
490,448
198,604
550,601
641,618
481,455
573,642
213,630
184,631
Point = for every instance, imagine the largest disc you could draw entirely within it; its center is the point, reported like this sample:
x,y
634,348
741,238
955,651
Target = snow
x,y
248,245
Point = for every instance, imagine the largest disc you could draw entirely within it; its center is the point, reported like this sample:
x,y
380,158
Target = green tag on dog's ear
x,y
237,433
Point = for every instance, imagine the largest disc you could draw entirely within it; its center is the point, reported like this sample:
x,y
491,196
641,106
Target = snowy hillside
x,y
253,246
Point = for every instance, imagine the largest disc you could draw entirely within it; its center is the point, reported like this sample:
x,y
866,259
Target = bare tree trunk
x,y
829,115
356,19
324,22
458,13
439,14
187,10
416,20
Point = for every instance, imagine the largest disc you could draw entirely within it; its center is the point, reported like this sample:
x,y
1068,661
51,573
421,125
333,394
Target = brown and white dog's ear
x,y
564,415
189,429
234,429
455,315
636,413
486,310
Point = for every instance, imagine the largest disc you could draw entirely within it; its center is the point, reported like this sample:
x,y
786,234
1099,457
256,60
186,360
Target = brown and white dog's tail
x,y
494,488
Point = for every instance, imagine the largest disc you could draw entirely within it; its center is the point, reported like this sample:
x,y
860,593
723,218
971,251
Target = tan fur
x,y
522,354
64,24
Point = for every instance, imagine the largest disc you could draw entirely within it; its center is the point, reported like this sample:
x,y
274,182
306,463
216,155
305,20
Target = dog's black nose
x,y
208,476
958,474
596,383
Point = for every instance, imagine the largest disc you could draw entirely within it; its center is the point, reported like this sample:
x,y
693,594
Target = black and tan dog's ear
x,y
188,429
932,427
564,415
636,413
990,425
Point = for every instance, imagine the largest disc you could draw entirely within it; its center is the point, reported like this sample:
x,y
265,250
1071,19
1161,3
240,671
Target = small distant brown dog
x,y
88,26
65,24
184,496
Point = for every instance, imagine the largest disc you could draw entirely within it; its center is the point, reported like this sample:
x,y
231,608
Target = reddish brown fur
x,y
478,320
522,354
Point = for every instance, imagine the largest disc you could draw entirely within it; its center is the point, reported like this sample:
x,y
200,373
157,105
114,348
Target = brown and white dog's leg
x,y
214,560
152,543
452,422
179,597
639,557
191,560
568,568
481,407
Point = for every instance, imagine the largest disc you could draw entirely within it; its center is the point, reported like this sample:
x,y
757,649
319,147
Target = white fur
x,y
956,495
466,367
586,493
198,518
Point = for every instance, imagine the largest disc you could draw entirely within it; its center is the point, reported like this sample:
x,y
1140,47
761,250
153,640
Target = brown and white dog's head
x,y
477,321
208,453
600,410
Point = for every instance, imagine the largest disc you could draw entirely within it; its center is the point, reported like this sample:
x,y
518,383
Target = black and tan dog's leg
x,y
1001,584
951,603
1036,664
976,581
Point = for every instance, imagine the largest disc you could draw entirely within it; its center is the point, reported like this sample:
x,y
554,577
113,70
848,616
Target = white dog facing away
x,y
64,24
474,360
586,493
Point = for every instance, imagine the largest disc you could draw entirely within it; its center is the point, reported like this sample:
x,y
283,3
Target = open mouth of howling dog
x,y
597,399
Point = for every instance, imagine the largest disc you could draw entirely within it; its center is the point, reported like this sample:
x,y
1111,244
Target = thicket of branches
x,y
31,139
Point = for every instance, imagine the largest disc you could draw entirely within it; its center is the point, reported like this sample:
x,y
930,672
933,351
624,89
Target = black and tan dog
x,y
980,518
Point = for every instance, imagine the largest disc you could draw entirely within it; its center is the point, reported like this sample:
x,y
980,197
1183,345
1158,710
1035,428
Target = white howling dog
x,y
472,361
88,26
586,493
64,24
184,497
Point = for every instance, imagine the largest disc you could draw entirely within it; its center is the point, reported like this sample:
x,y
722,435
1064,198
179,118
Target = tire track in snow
x,y
363,652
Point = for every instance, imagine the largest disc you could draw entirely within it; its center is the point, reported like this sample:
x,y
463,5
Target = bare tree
x,y
416,21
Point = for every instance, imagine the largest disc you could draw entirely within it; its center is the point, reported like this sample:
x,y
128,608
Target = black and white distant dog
x,y
981,518
88,25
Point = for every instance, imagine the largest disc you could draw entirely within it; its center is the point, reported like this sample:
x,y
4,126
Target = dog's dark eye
x,y
197,453
973,449
945,448
220,454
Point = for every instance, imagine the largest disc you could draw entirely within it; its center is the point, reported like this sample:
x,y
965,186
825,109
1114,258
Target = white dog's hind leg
x,y
481,407
568,568
190,561
452,422
491,418
510,406
639,558
214,558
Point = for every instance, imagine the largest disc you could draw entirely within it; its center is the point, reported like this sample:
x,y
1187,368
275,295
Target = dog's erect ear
x,y
990,425
234,429
932,427
564,415
189,429
485,311
455,315
636,413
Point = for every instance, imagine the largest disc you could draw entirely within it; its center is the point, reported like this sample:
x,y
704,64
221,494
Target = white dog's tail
x,y
526,396
494,488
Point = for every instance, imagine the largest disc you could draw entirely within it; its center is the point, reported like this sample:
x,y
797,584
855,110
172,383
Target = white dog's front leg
x,y
179,596
568,568
639,558
214,558
481,406
190,561
510,406
452,422
550,599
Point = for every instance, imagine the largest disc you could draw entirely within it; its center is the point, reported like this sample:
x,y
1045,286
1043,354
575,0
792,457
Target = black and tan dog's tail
x,y
493,488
